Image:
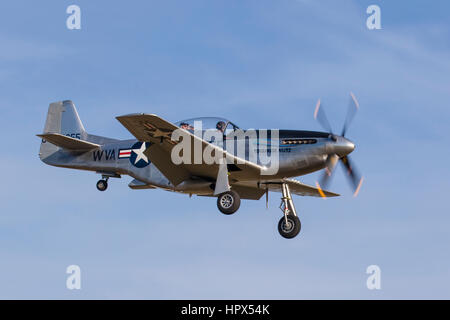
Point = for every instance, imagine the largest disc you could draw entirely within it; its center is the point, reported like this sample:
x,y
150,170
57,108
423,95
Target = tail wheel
x,y
102,185
289,226
228,202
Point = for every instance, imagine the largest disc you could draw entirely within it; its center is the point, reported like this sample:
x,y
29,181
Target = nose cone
x,y
343,146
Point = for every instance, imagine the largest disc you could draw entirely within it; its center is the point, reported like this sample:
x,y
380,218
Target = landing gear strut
x,y
102,184
289,225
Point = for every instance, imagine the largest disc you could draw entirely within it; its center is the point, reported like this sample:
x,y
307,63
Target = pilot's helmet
x,y
220,126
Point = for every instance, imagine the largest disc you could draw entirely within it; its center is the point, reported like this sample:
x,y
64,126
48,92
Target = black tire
x,y
228,202
292,229
102,185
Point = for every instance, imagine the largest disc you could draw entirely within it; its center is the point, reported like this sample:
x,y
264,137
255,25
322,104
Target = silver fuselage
x,y
294,160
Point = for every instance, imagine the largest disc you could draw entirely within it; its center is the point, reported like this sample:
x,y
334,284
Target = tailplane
x,y
68,143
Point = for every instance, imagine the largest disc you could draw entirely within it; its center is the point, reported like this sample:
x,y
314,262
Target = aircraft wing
x,y
298,188
151,128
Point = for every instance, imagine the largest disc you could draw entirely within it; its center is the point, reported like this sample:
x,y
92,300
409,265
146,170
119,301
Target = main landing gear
x,y
289,225
228,202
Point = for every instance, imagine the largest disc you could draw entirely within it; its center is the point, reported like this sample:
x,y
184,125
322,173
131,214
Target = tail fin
x,y
62,118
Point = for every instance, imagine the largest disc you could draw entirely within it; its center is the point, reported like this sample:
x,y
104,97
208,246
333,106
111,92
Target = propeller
x,y
353,106
333,158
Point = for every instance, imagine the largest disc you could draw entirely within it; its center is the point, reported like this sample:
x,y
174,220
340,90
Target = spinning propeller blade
x,y
319,115
329,168
355,178
332,159
353,106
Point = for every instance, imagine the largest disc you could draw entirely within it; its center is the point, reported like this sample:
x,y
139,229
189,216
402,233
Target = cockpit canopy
x,y
207,123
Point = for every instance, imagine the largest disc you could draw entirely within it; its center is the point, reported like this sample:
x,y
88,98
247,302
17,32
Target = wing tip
x,y
332,194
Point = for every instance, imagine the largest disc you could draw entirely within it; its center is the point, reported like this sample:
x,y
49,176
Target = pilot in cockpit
x,y
221,126
186,126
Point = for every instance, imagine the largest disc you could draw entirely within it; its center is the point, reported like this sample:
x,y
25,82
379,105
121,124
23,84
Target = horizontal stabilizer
x,y
67,142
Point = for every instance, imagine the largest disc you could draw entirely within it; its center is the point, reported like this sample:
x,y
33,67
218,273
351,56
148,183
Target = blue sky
x,y
260,64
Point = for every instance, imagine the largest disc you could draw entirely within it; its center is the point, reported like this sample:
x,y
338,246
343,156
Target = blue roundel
x,y
137,157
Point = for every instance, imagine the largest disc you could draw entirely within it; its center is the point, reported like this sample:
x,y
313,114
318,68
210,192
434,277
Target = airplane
x,y
148,157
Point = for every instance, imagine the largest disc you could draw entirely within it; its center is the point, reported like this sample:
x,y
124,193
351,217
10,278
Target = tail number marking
x,y
108,154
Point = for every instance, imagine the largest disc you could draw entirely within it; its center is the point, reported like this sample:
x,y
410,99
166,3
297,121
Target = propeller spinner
x,y
340,149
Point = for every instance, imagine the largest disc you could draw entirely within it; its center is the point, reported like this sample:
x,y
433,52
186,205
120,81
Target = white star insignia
x,y
140,154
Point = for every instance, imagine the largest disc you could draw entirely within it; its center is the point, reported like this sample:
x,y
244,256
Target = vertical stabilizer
x,y
62,117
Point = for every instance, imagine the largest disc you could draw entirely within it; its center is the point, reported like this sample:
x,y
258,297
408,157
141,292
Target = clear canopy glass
x,y
207,123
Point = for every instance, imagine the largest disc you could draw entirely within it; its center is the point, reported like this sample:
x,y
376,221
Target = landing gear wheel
x,y
102,185
291,228
228,202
